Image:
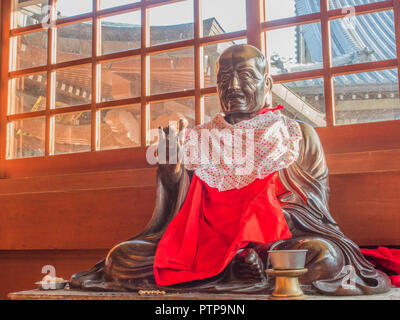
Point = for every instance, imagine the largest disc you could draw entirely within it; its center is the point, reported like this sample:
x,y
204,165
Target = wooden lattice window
x,y
82,86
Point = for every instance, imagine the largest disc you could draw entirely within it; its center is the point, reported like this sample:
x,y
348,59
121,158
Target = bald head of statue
x,y
243,82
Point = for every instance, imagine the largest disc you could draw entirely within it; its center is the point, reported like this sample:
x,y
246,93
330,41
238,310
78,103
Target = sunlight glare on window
x,y
223,16
26,138
74,41
105,4
280,9
28,94
29,50
375,40
120,32
120,127
367,97
303,100
72,132
28,13
68,8
171,22
301,50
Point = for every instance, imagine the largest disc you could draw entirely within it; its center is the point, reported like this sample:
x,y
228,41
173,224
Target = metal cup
x,y
287,259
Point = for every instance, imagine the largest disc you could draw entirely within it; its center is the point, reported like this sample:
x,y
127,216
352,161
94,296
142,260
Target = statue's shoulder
x,y
311,146
308,131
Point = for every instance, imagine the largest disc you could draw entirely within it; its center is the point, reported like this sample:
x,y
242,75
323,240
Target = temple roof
x,y
368,37
131,32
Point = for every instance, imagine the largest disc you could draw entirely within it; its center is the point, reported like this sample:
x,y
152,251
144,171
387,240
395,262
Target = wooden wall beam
x,y
107,160
367,207
90,219
360,137
79,181
364,162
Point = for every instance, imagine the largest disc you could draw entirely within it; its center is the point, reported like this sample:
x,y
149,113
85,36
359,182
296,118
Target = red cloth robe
x,y
388,260
213,225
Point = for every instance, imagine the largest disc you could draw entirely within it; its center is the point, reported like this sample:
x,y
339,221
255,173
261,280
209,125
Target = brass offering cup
x,y
287,259
287,266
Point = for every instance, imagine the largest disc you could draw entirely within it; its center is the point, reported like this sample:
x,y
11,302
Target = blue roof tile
x,y
373,33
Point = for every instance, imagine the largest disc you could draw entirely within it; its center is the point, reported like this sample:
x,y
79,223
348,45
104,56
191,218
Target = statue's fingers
x,y
166,130
172,132
161,133
182,124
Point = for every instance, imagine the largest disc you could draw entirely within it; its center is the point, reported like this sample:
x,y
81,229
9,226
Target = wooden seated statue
x,y
333,261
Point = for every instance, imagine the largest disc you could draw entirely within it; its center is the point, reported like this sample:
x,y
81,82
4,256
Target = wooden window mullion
x,y
198,62
396,12
145,77
4,84
51,54
254,20
95,125
326,58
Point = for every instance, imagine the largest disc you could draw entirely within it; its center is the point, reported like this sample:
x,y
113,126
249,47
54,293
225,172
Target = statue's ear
x,y
268,90
268,82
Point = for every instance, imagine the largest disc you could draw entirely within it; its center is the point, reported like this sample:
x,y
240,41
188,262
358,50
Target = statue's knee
x,y
121,250
114,252
128,255
324,259
111,257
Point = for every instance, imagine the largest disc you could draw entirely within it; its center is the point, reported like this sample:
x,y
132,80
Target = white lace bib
x,y
227,156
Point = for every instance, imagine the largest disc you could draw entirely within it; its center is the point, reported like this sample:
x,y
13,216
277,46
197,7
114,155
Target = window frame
x,y
135,157
327,72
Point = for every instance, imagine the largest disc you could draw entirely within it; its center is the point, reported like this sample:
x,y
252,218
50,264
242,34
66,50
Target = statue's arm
x,y
172,184
311,157
166,198
307,178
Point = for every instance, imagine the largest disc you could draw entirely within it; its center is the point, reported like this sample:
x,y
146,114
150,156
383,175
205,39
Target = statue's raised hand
x,y
169,150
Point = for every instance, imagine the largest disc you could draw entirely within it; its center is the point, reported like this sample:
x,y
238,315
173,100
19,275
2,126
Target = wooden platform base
x,y
394,294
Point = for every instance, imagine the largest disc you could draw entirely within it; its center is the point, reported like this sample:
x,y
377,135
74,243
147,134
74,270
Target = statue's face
x,y
242,84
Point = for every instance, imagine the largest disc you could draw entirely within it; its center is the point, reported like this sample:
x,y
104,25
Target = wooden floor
x,y
394,294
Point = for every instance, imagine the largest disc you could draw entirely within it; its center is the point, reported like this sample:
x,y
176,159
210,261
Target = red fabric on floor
x,y
212,226
388,260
